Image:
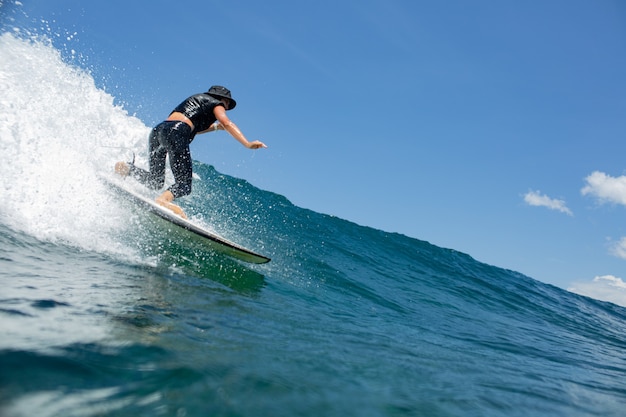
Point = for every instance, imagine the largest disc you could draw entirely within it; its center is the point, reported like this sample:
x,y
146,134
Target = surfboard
x,y
206,238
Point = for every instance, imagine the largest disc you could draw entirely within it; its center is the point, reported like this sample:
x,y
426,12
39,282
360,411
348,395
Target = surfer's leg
x,y
180,163
180,159
156,177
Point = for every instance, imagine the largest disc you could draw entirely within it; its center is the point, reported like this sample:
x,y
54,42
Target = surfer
x,y
200,113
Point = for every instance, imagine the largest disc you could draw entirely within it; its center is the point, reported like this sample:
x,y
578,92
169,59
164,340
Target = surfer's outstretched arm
x,y
166,199
230,127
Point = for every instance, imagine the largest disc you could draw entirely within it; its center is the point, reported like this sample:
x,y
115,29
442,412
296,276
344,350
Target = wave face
x,y
103,313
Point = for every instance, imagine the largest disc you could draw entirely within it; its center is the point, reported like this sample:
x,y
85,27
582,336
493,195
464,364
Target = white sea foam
x,y
58,132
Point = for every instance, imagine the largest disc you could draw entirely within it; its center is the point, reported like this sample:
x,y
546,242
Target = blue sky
x,y
491,127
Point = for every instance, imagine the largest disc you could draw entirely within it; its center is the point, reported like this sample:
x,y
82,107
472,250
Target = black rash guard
x,y
199,109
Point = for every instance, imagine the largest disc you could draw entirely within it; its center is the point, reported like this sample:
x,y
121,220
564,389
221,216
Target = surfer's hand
x,y
256,145
166,199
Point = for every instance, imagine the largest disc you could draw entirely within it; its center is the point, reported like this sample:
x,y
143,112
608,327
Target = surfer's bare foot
x,y
174,208
166,199
122,168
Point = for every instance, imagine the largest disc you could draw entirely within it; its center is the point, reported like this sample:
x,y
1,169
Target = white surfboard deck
x,y
209,239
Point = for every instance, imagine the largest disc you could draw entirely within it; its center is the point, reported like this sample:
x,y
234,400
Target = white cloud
x,y
605,188
535,198
605,288
618,249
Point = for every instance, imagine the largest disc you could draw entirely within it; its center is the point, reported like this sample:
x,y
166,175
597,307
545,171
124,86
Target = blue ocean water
x,y
104,313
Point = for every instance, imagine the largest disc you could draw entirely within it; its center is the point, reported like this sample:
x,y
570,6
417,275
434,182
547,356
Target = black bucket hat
x,y
222,92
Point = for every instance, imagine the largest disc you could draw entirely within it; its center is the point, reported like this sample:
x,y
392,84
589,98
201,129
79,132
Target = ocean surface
x,y
103,313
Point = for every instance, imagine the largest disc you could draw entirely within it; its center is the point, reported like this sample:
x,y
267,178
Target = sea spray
x,y
58,132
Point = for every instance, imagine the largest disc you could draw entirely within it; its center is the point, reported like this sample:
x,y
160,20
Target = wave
x,y
377,321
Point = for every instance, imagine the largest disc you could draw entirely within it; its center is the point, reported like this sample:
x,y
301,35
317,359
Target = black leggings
x,y
173,138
